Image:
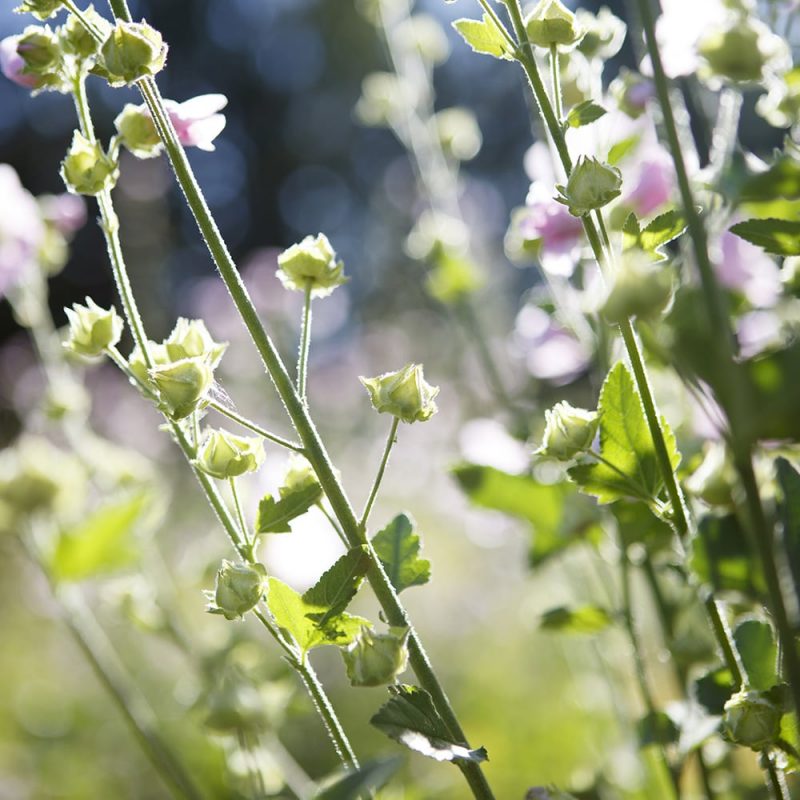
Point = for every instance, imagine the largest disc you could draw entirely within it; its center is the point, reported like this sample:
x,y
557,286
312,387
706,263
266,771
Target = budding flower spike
x,y
405,394
551,23
239,589
591,185
311,264
92,329
223,455
568,432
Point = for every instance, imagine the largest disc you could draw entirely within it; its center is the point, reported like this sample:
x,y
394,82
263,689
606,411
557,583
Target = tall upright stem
x,y
305,345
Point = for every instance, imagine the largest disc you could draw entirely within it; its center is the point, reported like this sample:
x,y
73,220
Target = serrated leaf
x,y
629,468
558,515
483,36
662,229
584,619
411,719
789,512
274,516
777,236
398,546
101,543
355,784
332,593
621,149
584,114
756,644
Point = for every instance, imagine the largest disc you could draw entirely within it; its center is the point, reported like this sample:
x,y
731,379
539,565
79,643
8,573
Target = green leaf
x,y
398,546
584,114
657,728
778,236
101,543
584,619
621,149
411,719
756,644
658,232
713,689
789,512
275,516
780,181
791,737
483,36
332,593
355,784
629,468
558,515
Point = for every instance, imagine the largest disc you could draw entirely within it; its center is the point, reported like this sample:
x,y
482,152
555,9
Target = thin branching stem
x,y
376,485
256,428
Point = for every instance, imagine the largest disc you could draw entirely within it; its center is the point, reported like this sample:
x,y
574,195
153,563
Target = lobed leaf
x,y
483,36
780,237
274,516
398,546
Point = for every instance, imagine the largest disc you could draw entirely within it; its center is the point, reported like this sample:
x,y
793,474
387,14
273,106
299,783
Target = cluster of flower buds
x,y
224,455
311,265
182,369
592,184
375,659
404,394
568,433
239,588
87,169
92,329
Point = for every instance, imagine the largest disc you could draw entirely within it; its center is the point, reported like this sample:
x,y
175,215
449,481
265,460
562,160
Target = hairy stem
x,y
376,485
305,346
250,425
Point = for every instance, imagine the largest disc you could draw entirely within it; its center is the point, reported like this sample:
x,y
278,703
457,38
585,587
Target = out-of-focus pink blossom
x,y
21,229
12,64
747,269
651,178
756,331
197,121
66,212
551,352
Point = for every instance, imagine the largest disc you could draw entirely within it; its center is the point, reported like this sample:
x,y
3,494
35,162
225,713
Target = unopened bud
x,y
190,339
552,23
376,659
137,131
92,329
405,394
224,455
133,50
591,185
568,432
182,385
77,40
458,132
751,720
41,9
239,588
311,263
86,169
33,59
641,289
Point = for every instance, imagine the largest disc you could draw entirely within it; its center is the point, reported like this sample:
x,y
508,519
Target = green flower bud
x,y
224,455
92,329
182,385
458,133
312,263
551,22
376,659
133,50
603,34
77,40
190,339
568,432
86,169
42,59
751,720
404,394
137,131
640,289
591,185
743,51
41,9
138,366
298,476
714,480
239,588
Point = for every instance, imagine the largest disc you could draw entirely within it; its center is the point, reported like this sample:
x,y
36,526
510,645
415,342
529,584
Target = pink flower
x,y
21,229
12,64
652,176
196,121
66,212
747,269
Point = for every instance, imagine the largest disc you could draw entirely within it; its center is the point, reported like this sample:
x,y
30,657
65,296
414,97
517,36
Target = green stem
x,y
722,632
373,493
334,523
262,432
555,80
305,346
314,448
777,781
239,514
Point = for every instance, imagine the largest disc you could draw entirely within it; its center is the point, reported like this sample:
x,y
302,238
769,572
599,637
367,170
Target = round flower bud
x,y
751,720
77,40
33,59
133,50
552,23
311,263
640,289
92,329
41,9
714,480
743,51
299,475
591,185
568,432
86,169
376,659
182,385
137,131
138,366
190,339
224,455
239,588
603,34
458,132
405,394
